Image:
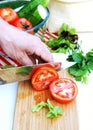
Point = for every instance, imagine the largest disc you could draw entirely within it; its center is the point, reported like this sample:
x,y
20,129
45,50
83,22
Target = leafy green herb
x,y
38,107
66,28
83,66
66,41
53,112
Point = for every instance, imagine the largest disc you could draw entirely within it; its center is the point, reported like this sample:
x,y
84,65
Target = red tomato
x,y
37,67
43,76
8,14
63,90
23,24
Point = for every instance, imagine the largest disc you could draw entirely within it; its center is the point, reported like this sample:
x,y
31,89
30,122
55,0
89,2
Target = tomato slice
x,y
63,90
8,14
23,24
43,76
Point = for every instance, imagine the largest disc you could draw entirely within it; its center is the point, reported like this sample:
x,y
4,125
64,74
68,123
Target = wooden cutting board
x,y
24,119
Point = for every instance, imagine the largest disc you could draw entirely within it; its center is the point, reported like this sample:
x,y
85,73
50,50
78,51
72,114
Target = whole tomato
x,y
23,24
8,14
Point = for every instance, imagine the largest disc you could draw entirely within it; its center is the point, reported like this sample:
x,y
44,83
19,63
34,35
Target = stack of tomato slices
x,y
63,90
11,16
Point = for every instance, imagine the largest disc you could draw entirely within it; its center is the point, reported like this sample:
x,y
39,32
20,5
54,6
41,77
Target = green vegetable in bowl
x,y
34,11
13,3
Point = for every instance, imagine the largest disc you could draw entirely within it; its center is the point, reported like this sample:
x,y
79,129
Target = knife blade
x,y
16,74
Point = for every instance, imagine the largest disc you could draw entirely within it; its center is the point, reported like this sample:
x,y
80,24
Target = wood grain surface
x,y
25,119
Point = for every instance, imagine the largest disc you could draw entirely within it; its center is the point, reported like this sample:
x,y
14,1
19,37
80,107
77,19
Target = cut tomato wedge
x,y
63,90
42,76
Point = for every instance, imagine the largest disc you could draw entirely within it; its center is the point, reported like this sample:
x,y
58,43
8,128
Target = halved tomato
x,y
23,24
8,14
63,90
42,76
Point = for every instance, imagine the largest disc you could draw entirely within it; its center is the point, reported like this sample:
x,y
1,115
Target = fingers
x,y
57,65
24,59
43,53
40,51
37,59
46,55
30,60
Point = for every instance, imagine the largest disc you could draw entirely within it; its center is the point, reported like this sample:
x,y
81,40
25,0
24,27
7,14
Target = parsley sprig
x,y
53,112
83,66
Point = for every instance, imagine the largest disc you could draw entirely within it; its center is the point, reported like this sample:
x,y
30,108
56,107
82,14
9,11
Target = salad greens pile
x,y
53,112
66,41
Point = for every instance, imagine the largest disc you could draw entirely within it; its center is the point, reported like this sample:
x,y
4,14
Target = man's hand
x,y
21,46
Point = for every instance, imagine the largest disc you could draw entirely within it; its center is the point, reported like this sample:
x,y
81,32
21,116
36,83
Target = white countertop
x,y
84,99
85,106
8,94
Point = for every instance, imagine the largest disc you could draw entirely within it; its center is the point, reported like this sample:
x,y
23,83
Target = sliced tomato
x,y
42,76
23,24
63,90
37,67
8,14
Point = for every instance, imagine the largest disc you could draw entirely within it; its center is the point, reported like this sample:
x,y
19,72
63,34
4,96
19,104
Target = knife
x,y
16,74
13,74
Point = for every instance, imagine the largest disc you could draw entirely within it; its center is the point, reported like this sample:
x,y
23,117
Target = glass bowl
x,y
17,4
